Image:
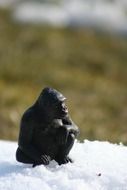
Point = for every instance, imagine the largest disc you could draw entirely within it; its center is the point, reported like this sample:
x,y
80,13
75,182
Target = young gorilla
x,y
46,131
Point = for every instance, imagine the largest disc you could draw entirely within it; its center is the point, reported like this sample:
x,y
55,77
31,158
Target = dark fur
x,y
46,131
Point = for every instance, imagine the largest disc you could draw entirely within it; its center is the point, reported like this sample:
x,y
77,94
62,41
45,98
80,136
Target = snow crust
x,y
97,166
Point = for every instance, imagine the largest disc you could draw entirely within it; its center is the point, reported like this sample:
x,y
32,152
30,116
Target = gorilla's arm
x,y
58,131
70,126
25,137
62,128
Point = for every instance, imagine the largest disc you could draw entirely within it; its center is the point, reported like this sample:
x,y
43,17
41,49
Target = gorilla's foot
x,y
64,160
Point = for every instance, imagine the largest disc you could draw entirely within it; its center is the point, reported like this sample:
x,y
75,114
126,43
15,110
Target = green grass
x,y
89,68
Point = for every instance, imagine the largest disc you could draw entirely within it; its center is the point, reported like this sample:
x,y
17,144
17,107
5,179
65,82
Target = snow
x,y
104,14
7,3
97,166
107,15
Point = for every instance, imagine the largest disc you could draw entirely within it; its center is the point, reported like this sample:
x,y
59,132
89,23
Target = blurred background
x,y
78,47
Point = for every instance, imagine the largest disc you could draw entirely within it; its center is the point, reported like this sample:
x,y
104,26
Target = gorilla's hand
x,y
64,160
45,159
61,135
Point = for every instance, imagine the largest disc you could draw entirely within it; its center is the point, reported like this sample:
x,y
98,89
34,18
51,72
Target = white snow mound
x,y
97,166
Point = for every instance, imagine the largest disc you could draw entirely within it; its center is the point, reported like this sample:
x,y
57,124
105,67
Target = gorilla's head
x,y
53,103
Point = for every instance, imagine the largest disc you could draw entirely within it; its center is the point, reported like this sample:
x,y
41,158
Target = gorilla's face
x,y
53,103
60,109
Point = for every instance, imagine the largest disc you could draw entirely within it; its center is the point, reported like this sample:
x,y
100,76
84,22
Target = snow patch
x,y
7,3
107,15
97,165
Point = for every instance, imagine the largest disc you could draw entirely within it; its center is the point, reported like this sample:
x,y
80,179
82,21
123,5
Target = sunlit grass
x,y
89,68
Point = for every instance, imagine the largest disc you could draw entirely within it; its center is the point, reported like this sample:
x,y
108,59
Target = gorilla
x,y
46,131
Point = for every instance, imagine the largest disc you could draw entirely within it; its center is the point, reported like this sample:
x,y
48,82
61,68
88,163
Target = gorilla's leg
x,y
21,157
62,156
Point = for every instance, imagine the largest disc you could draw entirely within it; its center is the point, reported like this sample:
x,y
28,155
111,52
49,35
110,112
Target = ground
x,y
97,165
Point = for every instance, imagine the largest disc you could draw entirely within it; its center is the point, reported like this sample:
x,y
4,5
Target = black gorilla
x,y
46,131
